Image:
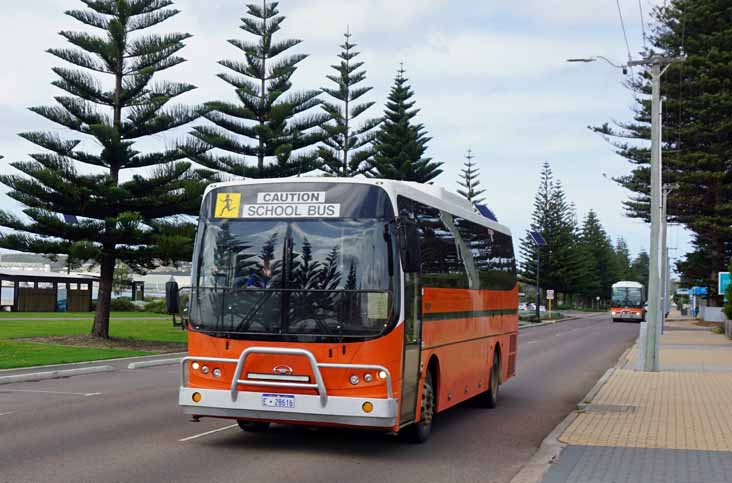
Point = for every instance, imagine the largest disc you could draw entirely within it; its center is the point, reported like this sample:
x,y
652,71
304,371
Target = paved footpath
x,y
669,426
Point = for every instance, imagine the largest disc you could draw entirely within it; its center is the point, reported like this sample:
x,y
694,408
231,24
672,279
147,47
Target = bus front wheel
x,y
420,431
253,426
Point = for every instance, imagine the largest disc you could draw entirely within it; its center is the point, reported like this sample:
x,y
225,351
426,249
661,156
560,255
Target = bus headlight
x,y
354,379
204,369
217,372
195,365
368,377
382,375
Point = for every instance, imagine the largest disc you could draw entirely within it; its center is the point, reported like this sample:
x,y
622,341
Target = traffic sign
x,y
724,281
550,294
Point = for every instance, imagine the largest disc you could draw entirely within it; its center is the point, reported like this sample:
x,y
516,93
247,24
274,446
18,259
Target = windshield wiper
x,y
247,320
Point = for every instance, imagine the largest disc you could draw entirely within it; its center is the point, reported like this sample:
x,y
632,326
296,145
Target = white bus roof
x,y
627,284
432,195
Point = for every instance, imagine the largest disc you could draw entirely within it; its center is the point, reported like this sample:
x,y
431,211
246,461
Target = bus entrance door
x,y
412,346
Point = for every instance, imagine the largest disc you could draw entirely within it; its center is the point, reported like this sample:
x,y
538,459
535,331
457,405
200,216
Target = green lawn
x,y
25,354
143,329
78,315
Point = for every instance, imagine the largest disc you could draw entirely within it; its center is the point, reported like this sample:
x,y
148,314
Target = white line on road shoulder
x,y
207,433
85,394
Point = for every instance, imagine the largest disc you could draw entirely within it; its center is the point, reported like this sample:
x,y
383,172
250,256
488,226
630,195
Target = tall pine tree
x,y
622,259
269,123
696,132
597,249
347,150
400,144
469,182
119,219
554,218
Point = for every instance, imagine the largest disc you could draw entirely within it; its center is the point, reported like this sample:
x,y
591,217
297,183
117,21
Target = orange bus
x,y
347,302
628,301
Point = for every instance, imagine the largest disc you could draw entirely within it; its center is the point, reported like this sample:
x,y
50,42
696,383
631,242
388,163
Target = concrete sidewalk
x,y
670,426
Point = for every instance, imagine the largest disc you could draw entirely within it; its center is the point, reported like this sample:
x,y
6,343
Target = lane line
x,y
207,433
9,412
85,394
532,342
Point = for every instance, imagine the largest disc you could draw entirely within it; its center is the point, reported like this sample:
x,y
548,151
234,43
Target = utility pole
x,y
649,346
538,285
649,334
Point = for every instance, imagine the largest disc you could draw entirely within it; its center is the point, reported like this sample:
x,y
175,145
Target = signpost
x,y
550,297
723,282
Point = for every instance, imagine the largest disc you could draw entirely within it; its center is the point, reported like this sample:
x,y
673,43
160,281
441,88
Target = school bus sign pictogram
x,y
227,205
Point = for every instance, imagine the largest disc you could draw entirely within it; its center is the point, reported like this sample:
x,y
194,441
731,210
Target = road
x,y
126,427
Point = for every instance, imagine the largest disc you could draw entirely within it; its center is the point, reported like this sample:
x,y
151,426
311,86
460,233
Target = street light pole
x,y
648,333
538,285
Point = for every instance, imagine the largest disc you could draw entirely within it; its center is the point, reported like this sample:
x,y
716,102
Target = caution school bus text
x,y
300,204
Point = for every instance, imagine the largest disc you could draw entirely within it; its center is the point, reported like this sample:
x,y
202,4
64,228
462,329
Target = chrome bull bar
x,y
315,366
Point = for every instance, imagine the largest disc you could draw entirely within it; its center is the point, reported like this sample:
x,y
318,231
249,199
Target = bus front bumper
x,y
250,405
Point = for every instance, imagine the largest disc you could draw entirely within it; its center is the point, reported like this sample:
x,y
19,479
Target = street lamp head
x,y
590,59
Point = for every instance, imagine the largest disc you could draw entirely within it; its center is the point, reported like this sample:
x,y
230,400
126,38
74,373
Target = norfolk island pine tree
x,y
400,145
269,123
696,136
469,181
134,221
347,150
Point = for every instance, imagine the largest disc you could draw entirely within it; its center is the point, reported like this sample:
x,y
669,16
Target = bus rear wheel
x,y
489,398
420,431
253,426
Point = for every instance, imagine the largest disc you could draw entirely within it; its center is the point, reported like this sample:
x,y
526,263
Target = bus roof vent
x,y
487,212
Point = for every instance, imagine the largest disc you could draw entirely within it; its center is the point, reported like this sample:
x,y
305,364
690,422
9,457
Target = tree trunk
x,y
104,297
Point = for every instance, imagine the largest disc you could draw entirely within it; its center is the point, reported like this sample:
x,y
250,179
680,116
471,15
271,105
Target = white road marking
x,y
85,394
532,342
207,433
9,412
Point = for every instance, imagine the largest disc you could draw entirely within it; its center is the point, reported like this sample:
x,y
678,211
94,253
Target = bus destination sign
x,y
287,204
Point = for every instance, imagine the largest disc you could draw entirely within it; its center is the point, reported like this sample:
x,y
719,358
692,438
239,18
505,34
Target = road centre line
x,y
85,394
207,433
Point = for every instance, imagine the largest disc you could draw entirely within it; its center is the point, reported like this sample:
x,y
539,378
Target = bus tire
x,y
253,426
489,398
420,431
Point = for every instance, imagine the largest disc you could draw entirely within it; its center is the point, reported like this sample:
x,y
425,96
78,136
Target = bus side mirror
x,y
409,247
172,300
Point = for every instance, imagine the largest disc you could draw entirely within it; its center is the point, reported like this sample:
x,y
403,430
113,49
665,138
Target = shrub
x,y
122,305
157,306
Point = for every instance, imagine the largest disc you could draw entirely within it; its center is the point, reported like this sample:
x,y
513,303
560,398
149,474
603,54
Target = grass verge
x,y
64,340
14,354
77,315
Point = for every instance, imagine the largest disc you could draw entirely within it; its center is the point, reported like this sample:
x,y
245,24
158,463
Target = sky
x,y
488,75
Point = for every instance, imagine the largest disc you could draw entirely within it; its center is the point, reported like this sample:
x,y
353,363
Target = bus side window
x,y
492,254
442,265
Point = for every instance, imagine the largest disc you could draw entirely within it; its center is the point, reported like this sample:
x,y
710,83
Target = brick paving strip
x,y
670,426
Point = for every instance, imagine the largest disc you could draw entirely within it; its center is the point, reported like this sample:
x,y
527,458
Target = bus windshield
x,y
295,279
627,297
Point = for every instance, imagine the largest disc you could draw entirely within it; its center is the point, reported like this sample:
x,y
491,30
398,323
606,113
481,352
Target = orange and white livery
x,y
628,301
363,303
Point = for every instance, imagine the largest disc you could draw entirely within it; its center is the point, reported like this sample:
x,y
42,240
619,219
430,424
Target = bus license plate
x,y
282,401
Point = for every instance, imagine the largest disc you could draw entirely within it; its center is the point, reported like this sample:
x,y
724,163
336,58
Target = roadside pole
x,y
649,335
538,285
649,346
